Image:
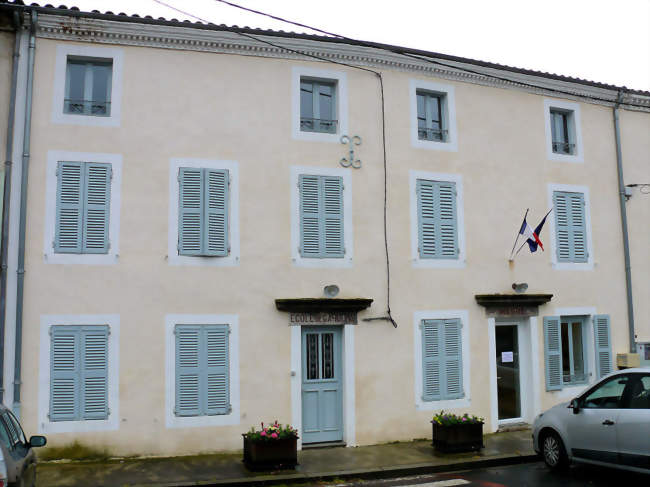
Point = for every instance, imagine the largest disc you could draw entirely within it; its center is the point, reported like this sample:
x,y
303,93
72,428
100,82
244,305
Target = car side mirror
x,y
575,405
36,441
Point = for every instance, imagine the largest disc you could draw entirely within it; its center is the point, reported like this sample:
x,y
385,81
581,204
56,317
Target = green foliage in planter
x,y
273,432
448,419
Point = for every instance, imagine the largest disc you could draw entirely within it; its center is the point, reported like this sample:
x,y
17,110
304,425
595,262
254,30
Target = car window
x,y
639,393
5,436
607,395
17,428
13,435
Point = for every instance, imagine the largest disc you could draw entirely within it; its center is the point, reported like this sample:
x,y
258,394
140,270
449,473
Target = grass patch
x,y
73,451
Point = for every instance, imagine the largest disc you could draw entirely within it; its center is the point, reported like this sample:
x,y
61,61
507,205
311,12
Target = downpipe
x,y
23,213
626,240
6,197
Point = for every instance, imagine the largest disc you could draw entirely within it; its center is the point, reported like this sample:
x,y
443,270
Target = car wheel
x,y
553,451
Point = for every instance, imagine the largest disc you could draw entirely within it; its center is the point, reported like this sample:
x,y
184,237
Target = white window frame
x,y
232,418
45,426
569,391
463,316
60,72
575,132
173,257
296,258
418,262
341,99
112,256
575,266
448,109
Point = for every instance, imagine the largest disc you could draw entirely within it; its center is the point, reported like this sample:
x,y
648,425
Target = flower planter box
x,y
457,437
270,455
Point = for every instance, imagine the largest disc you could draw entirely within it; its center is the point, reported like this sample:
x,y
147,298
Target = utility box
x,y
627,360
643,349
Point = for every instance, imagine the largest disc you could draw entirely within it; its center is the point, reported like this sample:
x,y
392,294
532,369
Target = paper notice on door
x,y
507,357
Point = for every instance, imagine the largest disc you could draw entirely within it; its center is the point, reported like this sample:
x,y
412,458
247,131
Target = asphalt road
x,y
524,475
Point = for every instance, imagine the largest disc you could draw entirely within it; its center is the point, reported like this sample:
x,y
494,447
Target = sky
x,y
600,40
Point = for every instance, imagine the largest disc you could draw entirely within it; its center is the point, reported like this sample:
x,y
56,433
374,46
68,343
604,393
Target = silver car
x,y
17,459
608,424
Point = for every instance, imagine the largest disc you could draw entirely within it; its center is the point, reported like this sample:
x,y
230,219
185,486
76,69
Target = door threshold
x,y
518,426
324,444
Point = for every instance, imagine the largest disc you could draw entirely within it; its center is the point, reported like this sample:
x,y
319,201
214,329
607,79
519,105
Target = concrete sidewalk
x,y
407,458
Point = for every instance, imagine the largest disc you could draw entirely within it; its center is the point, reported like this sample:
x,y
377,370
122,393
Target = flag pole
x,y
517,238
521,247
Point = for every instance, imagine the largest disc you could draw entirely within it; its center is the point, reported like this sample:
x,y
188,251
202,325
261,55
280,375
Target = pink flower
x,y
263,433
274,435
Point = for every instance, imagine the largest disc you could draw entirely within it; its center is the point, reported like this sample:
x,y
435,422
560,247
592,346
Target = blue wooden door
x,y
322,398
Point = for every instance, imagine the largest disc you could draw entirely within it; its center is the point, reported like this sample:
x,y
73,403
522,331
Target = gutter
x,y
6,197
626,240
23,213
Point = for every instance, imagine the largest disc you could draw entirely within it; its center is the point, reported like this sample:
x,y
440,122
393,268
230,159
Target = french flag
x,y
532,236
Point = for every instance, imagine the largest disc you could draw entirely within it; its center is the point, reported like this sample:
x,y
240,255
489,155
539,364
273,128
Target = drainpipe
x,y
6,197
23,213
626,241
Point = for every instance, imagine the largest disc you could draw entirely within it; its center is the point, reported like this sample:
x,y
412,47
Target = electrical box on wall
x,y
627,360
643,349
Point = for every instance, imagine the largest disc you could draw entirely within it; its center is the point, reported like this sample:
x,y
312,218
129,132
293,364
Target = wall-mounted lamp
x,y
331,291
520,288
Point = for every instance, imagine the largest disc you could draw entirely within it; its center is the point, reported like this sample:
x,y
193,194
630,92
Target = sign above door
x,y
512,305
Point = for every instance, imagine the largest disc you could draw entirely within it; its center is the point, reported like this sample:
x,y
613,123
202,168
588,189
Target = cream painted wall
x,y
217,106
6,54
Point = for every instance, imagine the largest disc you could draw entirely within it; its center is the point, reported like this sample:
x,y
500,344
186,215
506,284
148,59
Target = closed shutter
x,y
216,209
69,207
65,361
216,370
453,360
603,345
321,216
190,228
332,218
96,208
431,357
437,221
570,227
309,216
94,372
188,370
552,353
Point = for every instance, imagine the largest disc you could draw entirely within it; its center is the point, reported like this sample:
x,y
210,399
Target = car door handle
x,y
608,422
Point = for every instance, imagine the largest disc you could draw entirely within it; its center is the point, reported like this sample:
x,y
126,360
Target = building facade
x,y
203,253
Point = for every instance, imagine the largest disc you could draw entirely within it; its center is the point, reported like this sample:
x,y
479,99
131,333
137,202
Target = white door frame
x,y
529,381
347,382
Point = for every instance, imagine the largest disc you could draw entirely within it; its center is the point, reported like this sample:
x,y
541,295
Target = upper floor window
x,y
318,106
88,87
321,216
570,227
431,123
437,222
563,137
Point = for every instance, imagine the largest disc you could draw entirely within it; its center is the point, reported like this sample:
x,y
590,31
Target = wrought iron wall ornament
x,y
351,161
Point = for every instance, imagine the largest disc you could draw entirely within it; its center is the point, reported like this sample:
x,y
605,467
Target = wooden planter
x,y
457,437
270,455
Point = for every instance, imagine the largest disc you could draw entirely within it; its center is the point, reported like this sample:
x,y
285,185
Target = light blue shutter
x,y
437,222
453,359
96,208
64,373
216,379
603,345
187,370
570,227
431,359
190,212
69,207
332,217
310,235
552,353
216,208
94,372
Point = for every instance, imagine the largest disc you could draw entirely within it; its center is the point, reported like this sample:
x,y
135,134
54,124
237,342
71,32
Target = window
x,y
442,361
82,207
88,87
563,135
203,212
566,352
570,227
431,125
321,216
437,222
79,373
607,395
318,106
202,376
433,116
